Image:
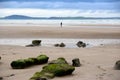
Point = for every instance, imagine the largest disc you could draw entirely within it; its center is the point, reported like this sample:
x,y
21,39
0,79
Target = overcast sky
x,y
47,8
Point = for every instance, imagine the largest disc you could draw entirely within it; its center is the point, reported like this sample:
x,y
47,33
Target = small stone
x,y
76,62
1,78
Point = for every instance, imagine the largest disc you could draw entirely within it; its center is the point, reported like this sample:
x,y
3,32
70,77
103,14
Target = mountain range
x,y
28,17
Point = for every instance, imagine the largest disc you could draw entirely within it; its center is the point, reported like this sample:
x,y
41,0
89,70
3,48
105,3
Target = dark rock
x,y
41,79
76,62
56,45
81,44
23,63
117,65
30,45
1,78
62,45
36,42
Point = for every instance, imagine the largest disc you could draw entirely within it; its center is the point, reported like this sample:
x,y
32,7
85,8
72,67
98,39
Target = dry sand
x,y
97,62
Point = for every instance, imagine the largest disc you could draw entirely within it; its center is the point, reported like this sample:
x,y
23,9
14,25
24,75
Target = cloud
x,y
61,0
62,5
59,12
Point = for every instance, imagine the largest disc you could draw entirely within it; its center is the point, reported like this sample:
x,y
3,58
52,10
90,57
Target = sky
x,y
60,8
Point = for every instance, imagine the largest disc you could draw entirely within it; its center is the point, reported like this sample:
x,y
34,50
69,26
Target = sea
x,y
49,42
56,22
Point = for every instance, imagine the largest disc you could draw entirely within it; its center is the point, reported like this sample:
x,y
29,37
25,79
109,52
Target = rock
x,y
41,79
117,65
60,60
23,63
76,62
62,45
30,45
42,59
0,57
1,78
18,64
36,42
81,44
58,67
57,45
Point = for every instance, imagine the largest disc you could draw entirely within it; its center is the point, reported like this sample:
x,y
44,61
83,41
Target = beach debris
x,y
23,63
34,43
76,62
60,45
81,44
59,67
117,65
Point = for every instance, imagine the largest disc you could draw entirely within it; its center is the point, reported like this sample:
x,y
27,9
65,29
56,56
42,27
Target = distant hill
x,y
18,17
28,17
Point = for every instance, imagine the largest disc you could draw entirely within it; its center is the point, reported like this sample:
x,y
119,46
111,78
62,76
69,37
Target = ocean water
x,y
49,42
56,22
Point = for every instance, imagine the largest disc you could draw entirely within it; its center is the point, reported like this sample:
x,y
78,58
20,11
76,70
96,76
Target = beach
x,y
97,61
58,32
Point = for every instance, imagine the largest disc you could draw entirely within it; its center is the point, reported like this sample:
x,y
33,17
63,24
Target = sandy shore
x,y
57,32
97,62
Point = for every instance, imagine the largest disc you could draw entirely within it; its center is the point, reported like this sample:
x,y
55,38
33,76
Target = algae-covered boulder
x,y
19,64
60,60
29,62
36,42
117,65
42,59
59,69
41,74
23,63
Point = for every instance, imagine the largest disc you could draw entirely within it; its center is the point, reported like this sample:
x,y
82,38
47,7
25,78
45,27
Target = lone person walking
x,y
61,24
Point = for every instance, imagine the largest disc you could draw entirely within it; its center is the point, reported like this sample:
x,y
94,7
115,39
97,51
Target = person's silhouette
x,y
61,24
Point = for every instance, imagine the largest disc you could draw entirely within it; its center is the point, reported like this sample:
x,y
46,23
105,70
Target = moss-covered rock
x,y
23,63
59,61
19,64
59,69
42,59
117,65
42,75
36,42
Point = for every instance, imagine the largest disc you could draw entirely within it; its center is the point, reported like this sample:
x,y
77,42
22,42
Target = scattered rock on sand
x,y
81,44
117,65
1,78
76,62
60,45
34,43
